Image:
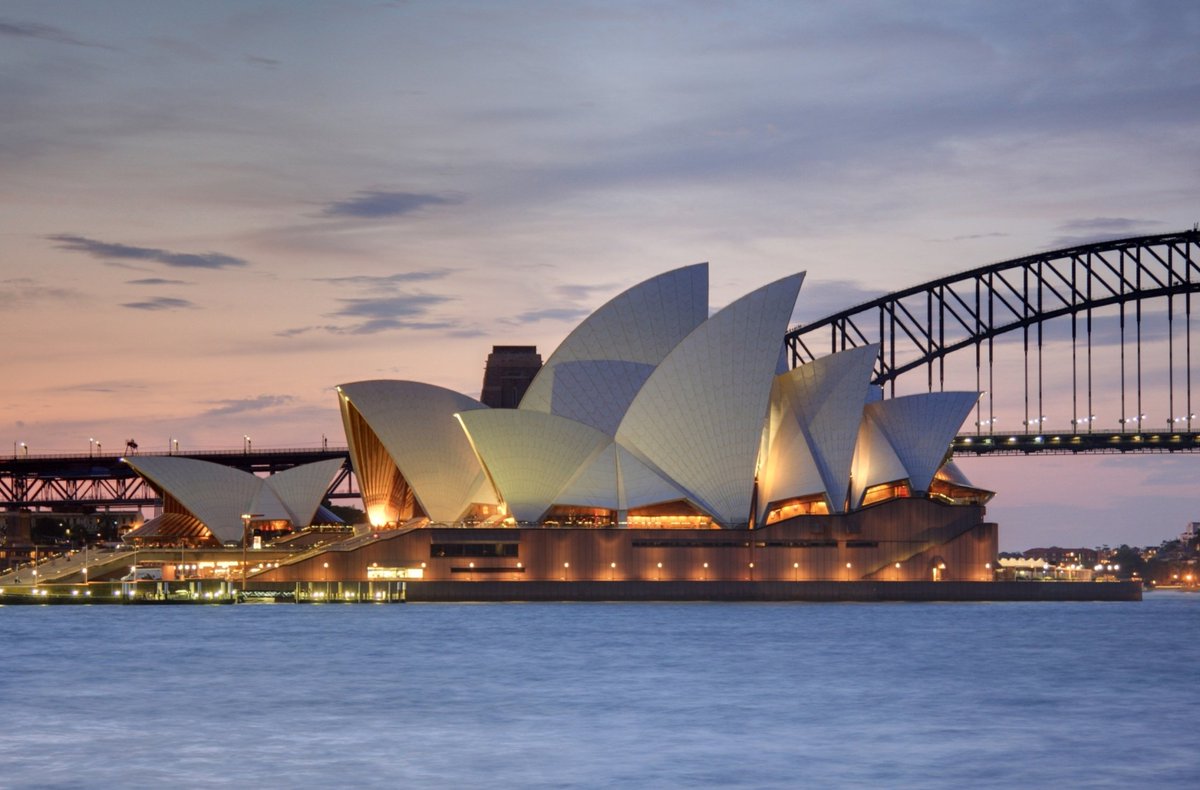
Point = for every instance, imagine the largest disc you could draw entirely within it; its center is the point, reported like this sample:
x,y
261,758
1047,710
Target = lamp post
x,y
91,446
247,445
246,517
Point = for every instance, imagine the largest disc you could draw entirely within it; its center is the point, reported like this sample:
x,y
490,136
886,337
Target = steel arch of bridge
x,y
920,326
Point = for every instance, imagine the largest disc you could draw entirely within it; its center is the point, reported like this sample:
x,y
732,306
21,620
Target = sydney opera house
x,y
659,443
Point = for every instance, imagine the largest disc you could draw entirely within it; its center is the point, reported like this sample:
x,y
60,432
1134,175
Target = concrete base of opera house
x,y
902,540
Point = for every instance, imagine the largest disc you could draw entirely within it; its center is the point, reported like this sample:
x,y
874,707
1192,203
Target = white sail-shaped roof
x,y
597,391
875,462
596,485
267,506
216,495
639,327
699,416
789,471
302,488
641,485
219,496
823,400
953,473
920,429
415,423
530,456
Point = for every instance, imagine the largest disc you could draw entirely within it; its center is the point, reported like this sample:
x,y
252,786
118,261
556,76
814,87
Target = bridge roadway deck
x,y
1066,442
110,465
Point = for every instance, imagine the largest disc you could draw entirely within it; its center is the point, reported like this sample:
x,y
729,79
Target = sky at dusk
x,y
213,213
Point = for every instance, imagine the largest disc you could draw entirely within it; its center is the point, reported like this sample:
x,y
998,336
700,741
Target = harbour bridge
x,y
1080,350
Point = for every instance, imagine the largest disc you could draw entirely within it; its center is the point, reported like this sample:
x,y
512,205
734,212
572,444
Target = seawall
x,y
810,591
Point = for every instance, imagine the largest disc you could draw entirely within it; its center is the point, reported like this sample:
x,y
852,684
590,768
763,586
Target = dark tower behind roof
x,y
509,371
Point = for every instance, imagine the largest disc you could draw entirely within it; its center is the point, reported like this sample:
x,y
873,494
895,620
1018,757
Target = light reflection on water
x,y
554,695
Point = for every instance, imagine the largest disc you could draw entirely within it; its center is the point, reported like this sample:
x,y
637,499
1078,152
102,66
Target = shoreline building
x,y
661,443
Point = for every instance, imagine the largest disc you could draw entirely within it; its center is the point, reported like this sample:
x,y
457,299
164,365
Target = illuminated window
x,y
814,505
473,549
886,491
670,515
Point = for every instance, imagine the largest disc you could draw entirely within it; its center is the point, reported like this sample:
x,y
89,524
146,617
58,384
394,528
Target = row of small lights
x,y
1091,418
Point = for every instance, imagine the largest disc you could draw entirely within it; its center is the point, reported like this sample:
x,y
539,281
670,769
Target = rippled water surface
x,y
639,695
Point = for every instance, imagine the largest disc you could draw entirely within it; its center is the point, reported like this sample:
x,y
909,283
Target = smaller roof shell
x,y
920,429
219,496
530,456
415,423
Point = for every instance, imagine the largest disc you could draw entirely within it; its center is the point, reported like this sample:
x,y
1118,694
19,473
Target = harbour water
x,y
594,695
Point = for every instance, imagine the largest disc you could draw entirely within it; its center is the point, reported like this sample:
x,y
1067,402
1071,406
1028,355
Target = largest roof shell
x,y
597,371
699,417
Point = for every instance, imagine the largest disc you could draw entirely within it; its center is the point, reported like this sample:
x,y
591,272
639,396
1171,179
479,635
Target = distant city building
x,y
1056,555
509,372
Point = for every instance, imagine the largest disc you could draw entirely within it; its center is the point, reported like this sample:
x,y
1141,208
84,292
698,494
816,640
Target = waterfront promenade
x,y
220,591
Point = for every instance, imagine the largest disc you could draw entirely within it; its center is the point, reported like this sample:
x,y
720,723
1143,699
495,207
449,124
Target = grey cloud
x,y
380,204
105,387
156,281
45,33
1077,232
819,298
973,236
549,314
299,330
242,405
107,251
390,307
581,292
382,314
1080,232
25,290
388,324
1105,224
388,280
160,303
268,63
